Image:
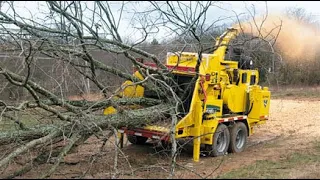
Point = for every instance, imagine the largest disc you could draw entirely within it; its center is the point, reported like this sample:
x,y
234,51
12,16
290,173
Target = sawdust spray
x,y
297,41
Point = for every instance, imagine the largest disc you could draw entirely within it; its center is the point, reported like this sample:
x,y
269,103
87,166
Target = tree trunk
x,y
92,123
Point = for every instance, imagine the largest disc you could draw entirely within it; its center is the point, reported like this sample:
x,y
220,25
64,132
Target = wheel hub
x,y
221,142
240,139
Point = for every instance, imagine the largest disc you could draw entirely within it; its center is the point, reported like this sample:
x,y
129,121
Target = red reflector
x,y
207,77
264,117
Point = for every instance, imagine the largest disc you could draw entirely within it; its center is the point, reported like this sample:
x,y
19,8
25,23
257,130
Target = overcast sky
x,y
237,6
279,6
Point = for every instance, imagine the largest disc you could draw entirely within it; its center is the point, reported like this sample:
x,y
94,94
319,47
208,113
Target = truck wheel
x,y
221,141
137,139
238,137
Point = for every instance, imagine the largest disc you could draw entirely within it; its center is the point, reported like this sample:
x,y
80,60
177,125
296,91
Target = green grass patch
x,y
275,169
317,145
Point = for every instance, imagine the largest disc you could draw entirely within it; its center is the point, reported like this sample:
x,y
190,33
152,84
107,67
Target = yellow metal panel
x,y
157,128
210,127
129,90
261,102
109,110
234,97
185,59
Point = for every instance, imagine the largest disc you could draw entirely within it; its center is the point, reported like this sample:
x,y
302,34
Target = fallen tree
x,y
84,127
90,123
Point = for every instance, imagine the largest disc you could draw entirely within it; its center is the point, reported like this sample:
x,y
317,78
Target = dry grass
x,y
290,92
302,164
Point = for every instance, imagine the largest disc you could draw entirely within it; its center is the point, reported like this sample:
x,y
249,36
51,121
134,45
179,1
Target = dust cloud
x,y
296,40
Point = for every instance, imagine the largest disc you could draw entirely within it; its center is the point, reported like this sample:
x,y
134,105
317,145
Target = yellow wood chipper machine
x,y
225,104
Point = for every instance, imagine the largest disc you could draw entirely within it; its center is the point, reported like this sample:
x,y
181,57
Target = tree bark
x,y
87,126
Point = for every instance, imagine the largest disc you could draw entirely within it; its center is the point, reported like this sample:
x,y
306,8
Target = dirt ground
x,y
293,126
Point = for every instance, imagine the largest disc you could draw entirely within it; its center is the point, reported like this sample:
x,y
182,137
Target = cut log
x,y
92,123
20,135
94,104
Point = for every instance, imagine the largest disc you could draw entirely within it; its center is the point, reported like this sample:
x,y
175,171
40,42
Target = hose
x,y
250,109
247,104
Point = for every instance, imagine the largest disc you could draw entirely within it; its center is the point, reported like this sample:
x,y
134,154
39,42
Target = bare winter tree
x,y
81,45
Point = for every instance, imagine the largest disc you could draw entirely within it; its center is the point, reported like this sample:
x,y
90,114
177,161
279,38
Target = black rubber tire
x,y
137,139
221,141
238,137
